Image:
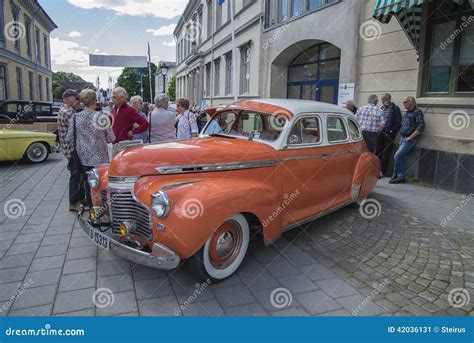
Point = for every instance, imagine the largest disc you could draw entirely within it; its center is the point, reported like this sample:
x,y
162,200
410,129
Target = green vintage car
x,y
31,146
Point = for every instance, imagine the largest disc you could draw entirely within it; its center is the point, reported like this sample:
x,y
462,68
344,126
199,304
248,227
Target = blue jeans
x,y
400,158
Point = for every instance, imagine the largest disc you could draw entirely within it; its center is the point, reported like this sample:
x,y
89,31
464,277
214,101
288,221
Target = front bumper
x,y
160,258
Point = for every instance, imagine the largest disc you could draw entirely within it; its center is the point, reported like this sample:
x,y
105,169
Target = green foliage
x,y
130,80
172,88
58,90
65,76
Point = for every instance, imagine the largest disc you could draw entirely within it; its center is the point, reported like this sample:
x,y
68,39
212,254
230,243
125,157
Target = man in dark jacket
x,y
386,137
124,117
413,124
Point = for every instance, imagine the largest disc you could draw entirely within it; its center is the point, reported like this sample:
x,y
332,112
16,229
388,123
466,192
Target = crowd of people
x,y
380,126
84,139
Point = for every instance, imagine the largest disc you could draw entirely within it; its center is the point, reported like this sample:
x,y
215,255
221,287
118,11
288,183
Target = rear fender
x,y
365,176
199,207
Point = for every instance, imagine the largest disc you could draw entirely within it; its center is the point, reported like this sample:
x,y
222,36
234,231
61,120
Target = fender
x,y
365,176
103,171
200,204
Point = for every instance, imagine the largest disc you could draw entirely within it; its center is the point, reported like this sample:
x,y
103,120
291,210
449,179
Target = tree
x,y
130,80
61,77
172,88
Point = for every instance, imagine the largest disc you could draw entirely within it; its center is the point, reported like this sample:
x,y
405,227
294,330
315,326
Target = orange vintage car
x,y
258,165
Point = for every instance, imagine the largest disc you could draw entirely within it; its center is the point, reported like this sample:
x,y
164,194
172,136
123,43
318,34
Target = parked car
x,y
258,165
33,147
28,115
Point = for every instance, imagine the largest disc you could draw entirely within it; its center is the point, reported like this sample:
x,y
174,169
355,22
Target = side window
x,y
306,130
354,129
336,129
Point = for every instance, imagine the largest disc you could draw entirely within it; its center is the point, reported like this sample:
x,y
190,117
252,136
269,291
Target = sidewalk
x,y
439,206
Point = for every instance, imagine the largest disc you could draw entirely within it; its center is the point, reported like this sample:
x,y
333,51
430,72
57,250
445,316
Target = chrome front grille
x,y
124,207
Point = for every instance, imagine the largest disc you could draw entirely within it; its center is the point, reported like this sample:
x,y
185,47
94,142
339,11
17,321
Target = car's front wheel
x,y
225,250
36,153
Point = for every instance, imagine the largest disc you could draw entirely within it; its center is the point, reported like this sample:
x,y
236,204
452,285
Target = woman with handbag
x,y
91,131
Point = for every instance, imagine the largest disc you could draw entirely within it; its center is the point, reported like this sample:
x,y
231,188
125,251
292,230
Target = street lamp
x,y
164,71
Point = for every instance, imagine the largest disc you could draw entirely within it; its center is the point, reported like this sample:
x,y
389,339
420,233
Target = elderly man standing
x,y
413,124
125,117
71,105
392,118
162,120
371,121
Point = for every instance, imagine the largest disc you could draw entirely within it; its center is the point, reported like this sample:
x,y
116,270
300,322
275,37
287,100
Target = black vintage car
x,y
26,110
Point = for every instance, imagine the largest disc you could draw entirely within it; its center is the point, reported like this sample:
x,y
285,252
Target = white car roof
x,y
300,106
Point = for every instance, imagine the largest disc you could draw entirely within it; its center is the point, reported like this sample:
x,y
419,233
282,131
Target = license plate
x,y
99,238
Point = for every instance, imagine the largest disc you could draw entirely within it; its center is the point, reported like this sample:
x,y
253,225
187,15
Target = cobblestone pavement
x,y
400,263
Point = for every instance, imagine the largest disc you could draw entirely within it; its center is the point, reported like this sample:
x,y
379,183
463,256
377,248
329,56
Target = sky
x,y
110,27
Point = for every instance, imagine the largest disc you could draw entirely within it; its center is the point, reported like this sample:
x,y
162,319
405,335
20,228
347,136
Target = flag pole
x,y
234,57
151,92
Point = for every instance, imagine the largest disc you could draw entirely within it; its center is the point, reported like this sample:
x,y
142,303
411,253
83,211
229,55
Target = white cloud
x,y
155,8
170,43
65,52
74,34
163,31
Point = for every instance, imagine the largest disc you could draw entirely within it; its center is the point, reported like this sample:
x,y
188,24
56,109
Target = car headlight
x,y
160,204
93,178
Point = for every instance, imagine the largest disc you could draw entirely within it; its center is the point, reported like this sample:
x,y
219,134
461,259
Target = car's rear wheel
x,y
225,250
36,153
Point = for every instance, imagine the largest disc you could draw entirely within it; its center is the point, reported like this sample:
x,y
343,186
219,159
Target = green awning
x,y
408,14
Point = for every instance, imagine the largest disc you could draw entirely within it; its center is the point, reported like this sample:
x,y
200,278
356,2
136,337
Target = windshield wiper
x,y
220,135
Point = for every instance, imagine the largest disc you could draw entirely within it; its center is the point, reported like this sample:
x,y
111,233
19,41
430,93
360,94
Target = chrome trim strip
x,y
178,184
349,151
161,256
198,168
28,137
120,184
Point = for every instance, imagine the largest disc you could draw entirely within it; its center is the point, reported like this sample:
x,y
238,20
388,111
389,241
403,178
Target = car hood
x,y
29,134
145,159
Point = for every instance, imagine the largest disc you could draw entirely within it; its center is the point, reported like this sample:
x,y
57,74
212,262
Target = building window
x,y
245,69
200,26
217,76
19,83
46,49
16,27
280,11
229,9
38,46
218,16
31,85
245,3
47,90
228,74
450,53
40,87
178,57
3,82
2,35
29,48
208,80
209,18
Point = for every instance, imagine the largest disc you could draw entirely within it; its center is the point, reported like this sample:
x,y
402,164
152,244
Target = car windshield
x,y
255,125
